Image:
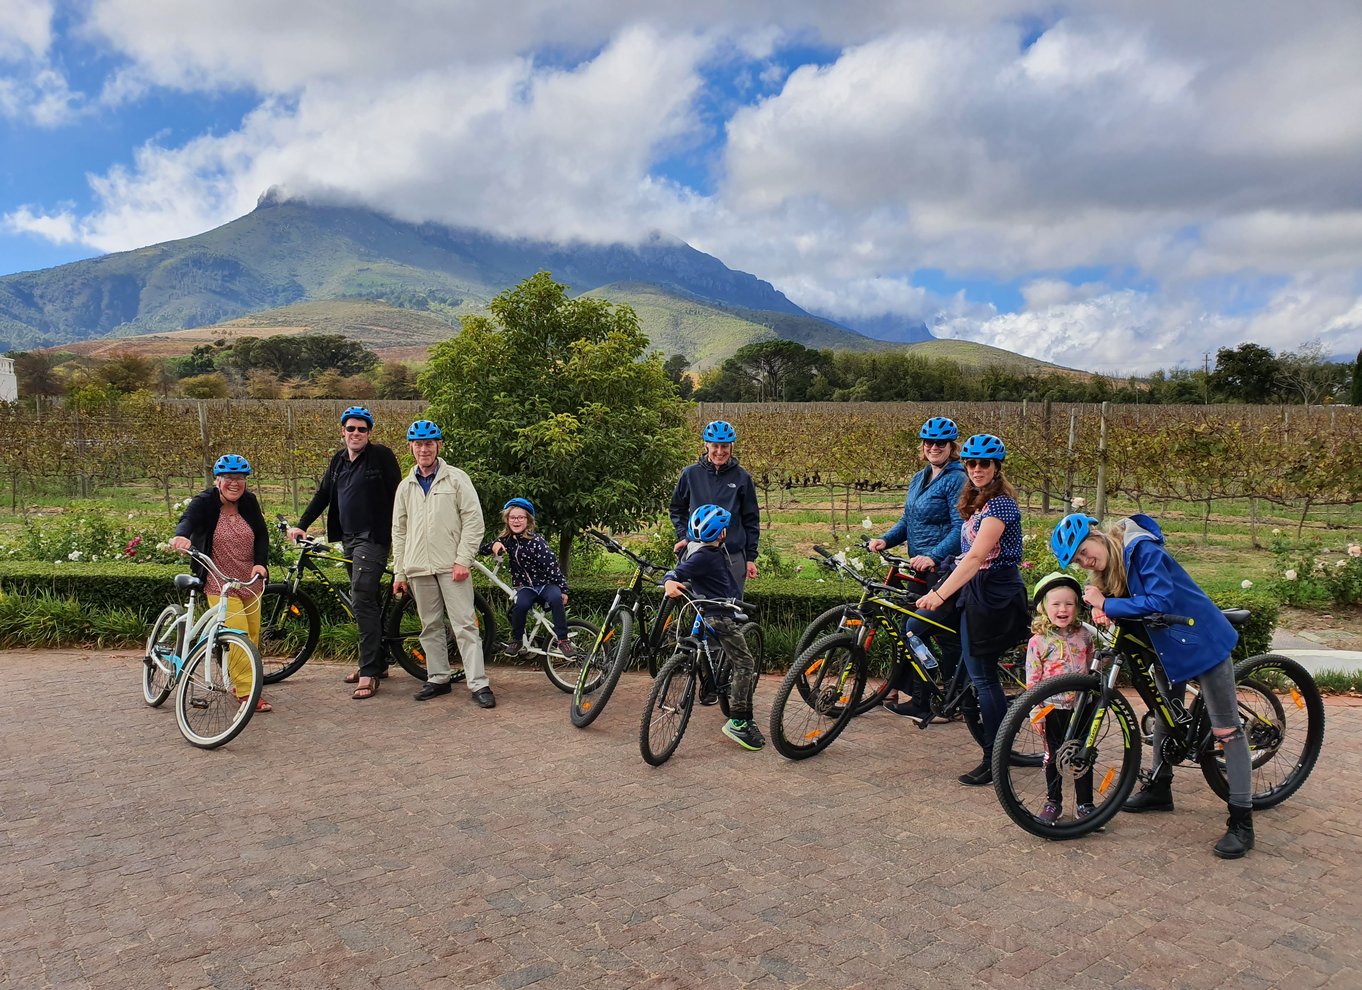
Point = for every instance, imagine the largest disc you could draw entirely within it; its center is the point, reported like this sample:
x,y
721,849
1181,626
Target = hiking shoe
x,y
1049,814
1085,811
1153,795
513,649
568,650
980,775
744,733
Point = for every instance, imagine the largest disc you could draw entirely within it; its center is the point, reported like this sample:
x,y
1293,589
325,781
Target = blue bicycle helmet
x,y
523,503
939,428
424,429
983,447
231,464
708,521
1069,532
720,431
358,412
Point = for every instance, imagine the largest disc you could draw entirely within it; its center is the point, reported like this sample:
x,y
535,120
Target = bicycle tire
x,y
1114,762
402,633
290,628
666,640
208,708
158,682
1273,728
834,669
601,671
667,713
881,672
562,672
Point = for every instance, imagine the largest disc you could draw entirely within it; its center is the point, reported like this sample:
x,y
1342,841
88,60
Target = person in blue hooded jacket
x,y
716,479
930,525
1133,576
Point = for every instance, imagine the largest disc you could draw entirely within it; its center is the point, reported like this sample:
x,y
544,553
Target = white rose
x,y
1289,574
1246,584
866,523
73,555
1354,550
1276,531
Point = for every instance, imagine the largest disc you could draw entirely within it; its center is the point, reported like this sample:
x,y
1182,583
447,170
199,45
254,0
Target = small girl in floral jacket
x,y
1061,645
535,575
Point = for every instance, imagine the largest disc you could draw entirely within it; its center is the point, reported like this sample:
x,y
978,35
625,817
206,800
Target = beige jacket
x,y
434,531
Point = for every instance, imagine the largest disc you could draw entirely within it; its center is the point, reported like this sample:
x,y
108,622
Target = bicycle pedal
x,y
457,677
201,703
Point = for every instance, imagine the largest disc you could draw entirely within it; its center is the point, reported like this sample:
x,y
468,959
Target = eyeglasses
x,y
357,429
936,443
521,517
236,479
972,463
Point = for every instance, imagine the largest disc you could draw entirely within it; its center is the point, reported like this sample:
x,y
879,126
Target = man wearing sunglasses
x,y
356,493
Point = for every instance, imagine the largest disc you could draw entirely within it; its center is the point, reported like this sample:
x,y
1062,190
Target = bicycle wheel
x,y
290,627
1108,767
601,670
1283,716
158,669
402,632
669,707
562,671
884,655
219,690
833,671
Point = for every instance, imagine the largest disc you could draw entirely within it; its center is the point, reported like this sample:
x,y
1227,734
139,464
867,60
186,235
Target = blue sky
x,y
1107,185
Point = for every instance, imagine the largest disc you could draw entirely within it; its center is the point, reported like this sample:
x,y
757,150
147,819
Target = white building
x,y
9,385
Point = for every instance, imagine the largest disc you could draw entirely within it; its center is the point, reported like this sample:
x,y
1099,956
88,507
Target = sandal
x,y
353,676
366,691
260,706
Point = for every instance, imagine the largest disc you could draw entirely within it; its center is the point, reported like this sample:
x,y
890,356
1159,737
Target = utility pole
x,y
1206,379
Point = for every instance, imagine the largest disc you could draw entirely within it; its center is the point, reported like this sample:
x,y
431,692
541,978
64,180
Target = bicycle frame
x,y
191,633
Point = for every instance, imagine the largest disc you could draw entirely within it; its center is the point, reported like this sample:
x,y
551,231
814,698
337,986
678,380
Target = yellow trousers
x,y
240,615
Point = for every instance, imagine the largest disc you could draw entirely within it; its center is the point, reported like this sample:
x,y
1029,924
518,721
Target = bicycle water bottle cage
x,y
188,582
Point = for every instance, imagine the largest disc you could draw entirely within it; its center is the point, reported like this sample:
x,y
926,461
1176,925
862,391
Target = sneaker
x,y
513,649
744,733
709,696
908,709
980,775
1086,810
568,650
1049,814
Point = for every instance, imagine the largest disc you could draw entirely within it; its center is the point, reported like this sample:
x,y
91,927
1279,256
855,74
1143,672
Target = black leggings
x,y
1056,721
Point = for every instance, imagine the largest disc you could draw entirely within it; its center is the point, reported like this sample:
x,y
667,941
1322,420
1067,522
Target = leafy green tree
x,y
128,372
552,398
675,367
36,372
210,386
1247,373
396,381
302,355
1307,374
1356,394
776,367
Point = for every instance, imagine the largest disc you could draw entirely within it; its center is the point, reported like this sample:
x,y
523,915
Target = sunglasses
x,y
357,429
936,443
972,463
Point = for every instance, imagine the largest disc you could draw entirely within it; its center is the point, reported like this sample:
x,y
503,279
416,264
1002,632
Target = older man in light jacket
x,y
437,527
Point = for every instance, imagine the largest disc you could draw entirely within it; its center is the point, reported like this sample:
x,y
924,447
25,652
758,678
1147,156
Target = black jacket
x,y
381,477
200,522
730,487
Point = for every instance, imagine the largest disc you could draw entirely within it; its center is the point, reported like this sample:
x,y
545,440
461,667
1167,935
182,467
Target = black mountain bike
x,y
617,647
885,658
291,624
1279,704
823,689
698,666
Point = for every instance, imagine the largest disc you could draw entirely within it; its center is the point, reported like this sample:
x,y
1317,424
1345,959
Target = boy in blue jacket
x,y
706,574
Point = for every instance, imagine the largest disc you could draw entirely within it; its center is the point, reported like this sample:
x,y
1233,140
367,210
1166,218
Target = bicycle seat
x,y
188,582
1237,616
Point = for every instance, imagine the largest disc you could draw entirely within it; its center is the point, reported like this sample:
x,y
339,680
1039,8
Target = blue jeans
x,y
983,673
550,595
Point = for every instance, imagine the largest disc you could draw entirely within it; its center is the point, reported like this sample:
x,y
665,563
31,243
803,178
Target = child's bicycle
x,y
698,665
1279,704
821,691
616,646
197,656
291,623
540,639
885,662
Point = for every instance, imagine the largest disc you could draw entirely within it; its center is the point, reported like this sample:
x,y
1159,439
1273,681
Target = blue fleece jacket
x,y
1157,583
931,521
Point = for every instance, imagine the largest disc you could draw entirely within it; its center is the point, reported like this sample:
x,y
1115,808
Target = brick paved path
x,y
394,844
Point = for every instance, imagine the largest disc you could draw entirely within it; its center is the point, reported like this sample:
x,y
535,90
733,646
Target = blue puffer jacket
x,y
931,522
1159,584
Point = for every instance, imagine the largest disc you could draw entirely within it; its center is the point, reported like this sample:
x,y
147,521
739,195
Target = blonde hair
x,y
1041,624
1111,580
506,522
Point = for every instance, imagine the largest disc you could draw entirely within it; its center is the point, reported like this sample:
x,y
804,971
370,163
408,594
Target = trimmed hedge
x,y
782,603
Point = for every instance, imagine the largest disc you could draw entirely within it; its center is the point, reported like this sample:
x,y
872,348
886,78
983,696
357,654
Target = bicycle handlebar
x,y
207,562
614,546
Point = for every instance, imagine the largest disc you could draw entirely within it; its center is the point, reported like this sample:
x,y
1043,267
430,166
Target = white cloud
x,y
1171,146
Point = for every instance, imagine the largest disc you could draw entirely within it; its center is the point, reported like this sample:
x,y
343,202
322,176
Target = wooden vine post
x,y
1101,500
